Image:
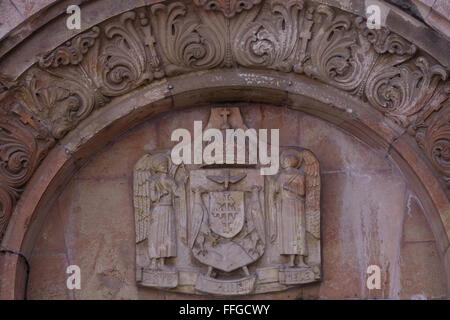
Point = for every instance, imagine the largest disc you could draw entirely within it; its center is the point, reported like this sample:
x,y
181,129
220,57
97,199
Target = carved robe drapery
x,y
294,203
292,214
155,189
161,229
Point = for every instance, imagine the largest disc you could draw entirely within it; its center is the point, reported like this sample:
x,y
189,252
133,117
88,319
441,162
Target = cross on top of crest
x,y
225,113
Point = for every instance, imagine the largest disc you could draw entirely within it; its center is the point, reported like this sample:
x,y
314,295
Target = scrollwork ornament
x,y
62,102
123,60
148,43
384,41
401,91
272,43
434,139
337,58
23,144
72,52
185,42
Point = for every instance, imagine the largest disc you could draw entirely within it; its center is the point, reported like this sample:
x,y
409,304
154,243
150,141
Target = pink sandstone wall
x,y
369,216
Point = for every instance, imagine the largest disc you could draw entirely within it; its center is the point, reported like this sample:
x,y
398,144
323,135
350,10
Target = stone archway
x,y
142,61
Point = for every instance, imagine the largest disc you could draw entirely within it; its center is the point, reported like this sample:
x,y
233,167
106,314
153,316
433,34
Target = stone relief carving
x,y
155,189
166,39
295,204
238,240
83,74
402,91
169,39
129,58
71,52
432,132
60,99
227,225
185,43
23,144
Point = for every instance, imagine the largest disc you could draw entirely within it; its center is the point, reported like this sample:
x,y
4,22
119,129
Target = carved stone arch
x,y
386,91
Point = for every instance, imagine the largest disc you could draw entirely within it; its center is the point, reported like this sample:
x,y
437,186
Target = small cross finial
x,y
225,113
25,117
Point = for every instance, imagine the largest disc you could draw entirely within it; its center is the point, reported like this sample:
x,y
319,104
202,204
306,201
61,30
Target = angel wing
x,y
181,192
216,179
256,212
199,213
142,200
272,208
310,166
236,179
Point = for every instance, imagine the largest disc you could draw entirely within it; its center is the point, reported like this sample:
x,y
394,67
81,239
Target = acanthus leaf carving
x,y
346,51
72,52
432,131
278,42
317,40
336,59
436,143
298,36
23,144
384,41
401,91
62,100
64,89
185,42
124,62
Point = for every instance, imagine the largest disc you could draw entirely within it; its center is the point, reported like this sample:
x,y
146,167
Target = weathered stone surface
x,y
420,263
221,216
48,277
358,230
387,87
421,269
108,272
9,16
52,236
415,225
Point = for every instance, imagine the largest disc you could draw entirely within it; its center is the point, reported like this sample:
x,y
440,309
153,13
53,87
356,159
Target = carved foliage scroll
x,y
23,144
186,43
432,132
124,60
291,36
436,142
304,37
322,42
72,52
402,91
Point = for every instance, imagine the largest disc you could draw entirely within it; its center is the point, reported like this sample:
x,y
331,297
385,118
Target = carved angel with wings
x,y
294,200
155,189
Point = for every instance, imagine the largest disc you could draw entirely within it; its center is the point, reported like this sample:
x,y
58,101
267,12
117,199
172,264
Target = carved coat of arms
x,y
226,229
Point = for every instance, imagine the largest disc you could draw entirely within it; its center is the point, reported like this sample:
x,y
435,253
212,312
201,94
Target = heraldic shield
x,y
227,230
226,212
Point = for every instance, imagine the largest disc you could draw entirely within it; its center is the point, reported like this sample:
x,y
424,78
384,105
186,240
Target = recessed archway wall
x,y
64,102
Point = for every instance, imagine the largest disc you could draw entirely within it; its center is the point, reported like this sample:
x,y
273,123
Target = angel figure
x,y
155,189
295,198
